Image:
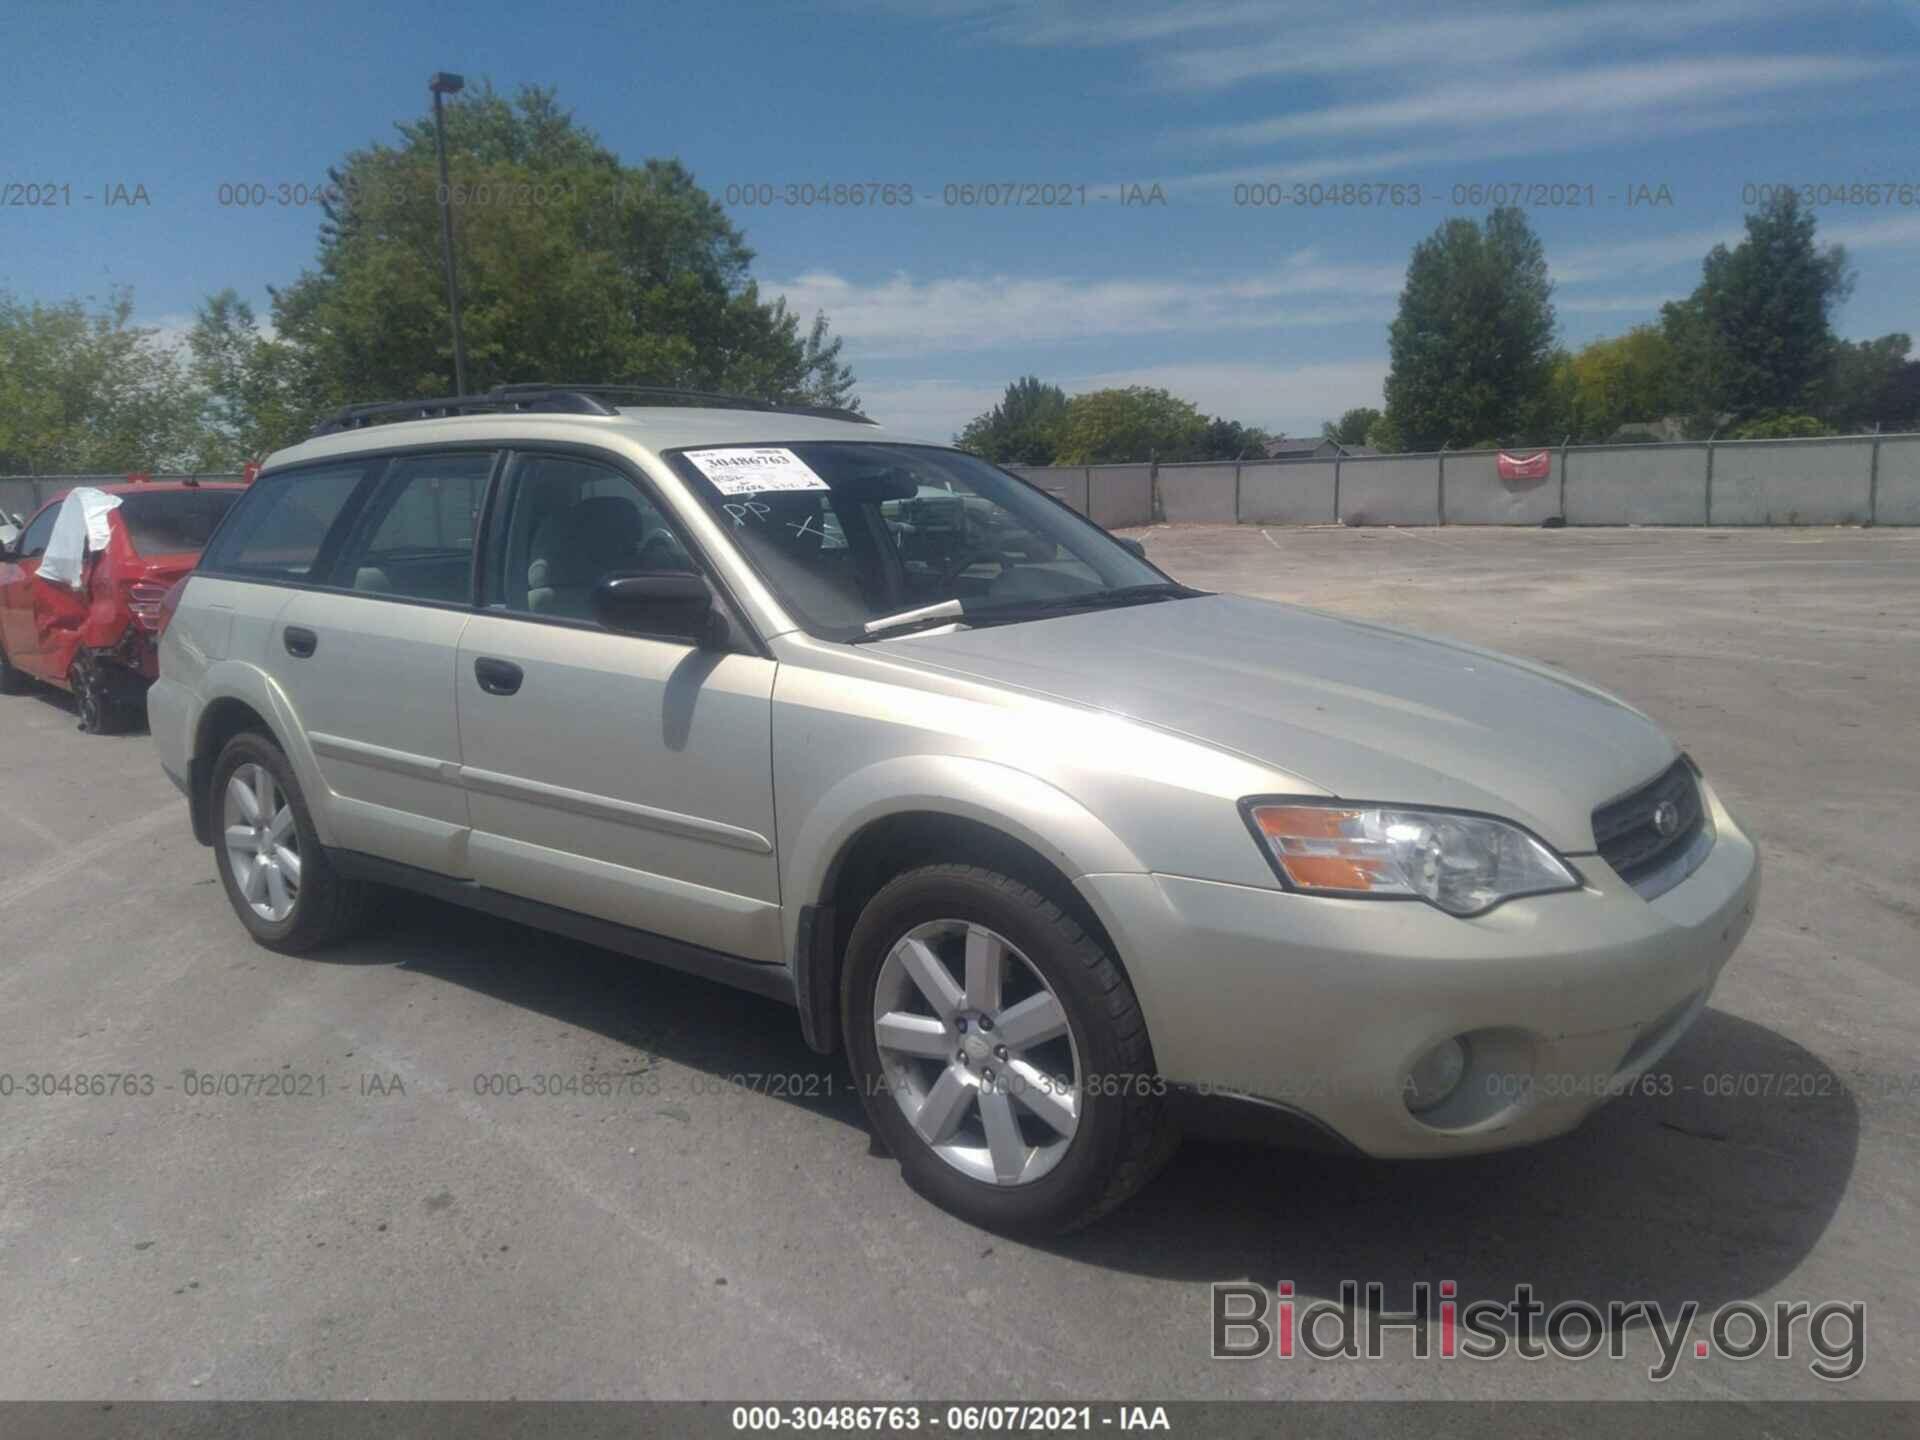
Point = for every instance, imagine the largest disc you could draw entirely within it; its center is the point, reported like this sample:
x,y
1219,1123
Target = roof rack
x,y
545,398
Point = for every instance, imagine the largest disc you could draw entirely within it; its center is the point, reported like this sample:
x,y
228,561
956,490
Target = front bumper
x,y
1318,1007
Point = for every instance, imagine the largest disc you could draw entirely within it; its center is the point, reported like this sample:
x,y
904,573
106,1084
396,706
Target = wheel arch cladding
x,y
222,719
890,845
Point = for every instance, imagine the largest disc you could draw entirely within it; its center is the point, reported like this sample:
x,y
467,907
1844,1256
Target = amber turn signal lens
x,y
1304,822
1321,848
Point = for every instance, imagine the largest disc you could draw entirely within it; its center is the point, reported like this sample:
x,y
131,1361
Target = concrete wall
x,y
1120,495
1637,485
1064,483
1287,492
1199,493
1390,490
1474,493
1897,501
1790,482
1755,482
22,497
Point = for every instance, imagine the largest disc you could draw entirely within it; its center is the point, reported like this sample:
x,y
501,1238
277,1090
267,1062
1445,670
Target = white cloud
x,y
1585,263
1588,263
170,330
928,409
1289,398
1606,92
1889,232
1468,158
1414,41
1609,304
903,315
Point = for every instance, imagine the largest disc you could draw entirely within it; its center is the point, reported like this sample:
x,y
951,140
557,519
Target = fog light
x,y
1436,1075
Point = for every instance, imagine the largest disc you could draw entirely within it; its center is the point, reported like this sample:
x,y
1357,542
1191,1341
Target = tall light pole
x,y
444,83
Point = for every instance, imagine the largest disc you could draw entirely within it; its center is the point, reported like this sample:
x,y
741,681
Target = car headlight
x,y
1464,864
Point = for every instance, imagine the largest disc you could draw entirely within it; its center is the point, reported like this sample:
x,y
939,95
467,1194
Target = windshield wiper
x,y
1086,600
918,618
947,612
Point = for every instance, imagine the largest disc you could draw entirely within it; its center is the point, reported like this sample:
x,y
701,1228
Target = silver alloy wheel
x,y
263,844
977,1051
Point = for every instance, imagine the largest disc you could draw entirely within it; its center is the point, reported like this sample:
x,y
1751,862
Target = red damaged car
x,y
89,626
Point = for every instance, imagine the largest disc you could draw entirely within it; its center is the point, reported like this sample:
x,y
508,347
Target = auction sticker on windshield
x,y
755,471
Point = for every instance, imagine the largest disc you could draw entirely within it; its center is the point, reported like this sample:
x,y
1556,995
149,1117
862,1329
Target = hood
x,y
1362,711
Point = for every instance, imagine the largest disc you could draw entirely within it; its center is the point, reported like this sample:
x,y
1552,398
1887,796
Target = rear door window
x,y
277,531
414,540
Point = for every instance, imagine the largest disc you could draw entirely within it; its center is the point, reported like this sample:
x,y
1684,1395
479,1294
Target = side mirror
x,y
9,537
1133,547
667,603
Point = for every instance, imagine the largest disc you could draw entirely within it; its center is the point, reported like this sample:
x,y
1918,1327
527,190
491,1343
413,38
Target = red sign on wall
x,y
1535,465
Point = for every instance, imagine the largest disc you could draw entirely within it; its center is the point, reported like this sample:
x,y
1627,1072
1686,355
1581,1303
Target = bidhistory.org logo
x,y
1249,1323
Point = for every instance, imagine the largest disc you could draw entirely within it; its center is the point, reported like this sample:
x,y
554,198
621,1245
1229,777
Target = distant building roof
x,y
1291,447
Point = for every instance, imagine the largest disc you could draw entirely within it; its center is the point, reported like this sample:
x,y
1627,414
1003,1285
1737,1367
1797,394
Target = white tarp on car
x,y
80,527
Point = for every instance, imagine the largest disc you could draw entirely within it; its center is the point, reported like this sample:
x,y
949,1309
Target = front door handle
x,y
300,641
498,677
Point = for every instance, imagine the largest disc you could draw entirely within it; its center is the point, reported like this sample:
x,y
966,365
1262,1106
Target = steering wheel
x,y
970,558
661,551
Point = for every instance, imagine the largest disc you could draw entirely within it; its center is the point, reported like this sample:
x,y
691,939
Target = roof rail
x,y
541,397
670,395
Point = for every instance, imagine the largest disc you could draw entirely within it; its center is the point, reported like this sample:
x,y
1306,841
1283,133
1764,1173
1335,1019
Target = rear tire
x,y
1018,1144
289,896
99,715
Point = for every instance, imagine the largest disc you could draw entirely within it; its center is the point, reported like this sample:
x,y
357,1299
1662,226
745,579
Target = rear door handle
x,y
498,677
300,641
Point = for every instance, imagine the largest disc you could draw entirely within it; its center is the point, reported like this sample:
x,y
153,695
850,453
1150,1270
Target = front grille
x,y
1627,837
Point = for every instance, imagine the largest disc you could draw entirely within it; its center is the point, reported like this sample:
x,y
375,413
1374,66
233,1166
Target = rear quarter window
x,y
277,529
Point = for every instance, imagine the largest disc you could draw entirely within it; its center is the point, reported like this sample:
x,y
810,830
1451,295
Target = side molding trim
x,y
775,982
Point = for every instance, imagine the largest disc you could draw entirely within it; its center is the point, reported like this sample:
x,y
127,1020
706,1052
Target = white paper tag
x,y
755,470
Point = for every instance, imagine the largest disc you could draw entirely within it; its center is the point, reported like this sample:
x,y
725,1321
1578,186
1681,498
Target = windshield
x,y
173,522
852,533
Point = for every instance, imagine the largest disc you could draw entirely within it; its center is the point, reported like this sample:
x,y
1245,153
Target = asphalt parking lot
x,y
406,1234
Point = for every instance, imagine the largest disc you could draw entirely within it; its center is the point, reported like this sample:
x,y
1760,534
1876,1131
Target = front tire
x,y
271,862
13,681
1000,1052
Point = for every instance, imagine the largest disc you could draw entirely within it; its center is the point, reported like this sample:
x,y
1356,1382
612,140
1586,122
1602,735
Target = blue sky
x,y
1271,315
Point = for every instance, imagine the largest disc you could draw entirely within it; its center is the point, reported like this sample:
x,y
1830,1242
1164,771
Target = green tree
x,y
1230,440
1611,384
1472,344
255,386
1138,422
1352,428
1023,429
1756,335
84,389
573,266
1874,383
1384,437
1780,425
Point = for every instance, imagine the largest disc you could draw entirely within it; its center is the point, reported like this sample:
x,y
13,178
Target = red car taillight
x,y
147,600
167,603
